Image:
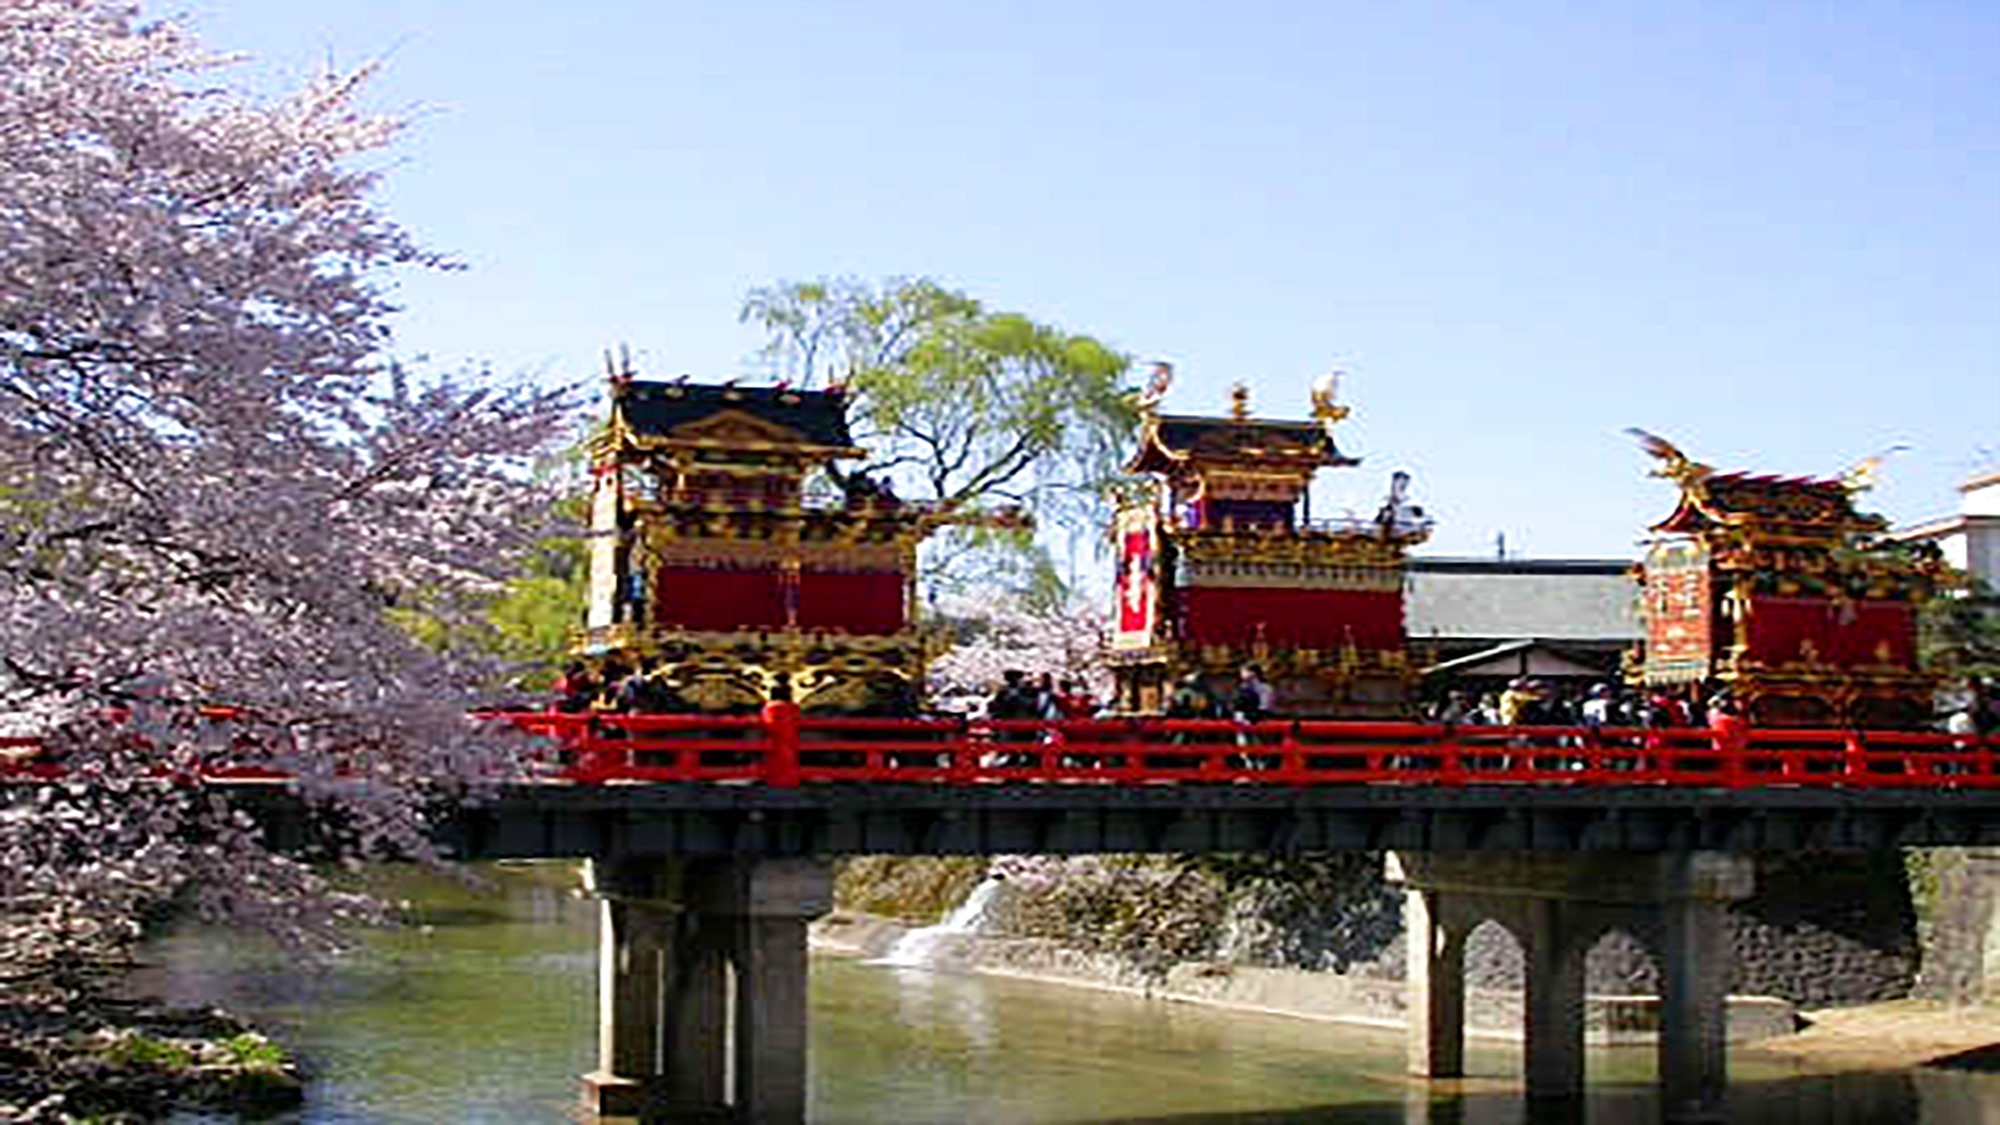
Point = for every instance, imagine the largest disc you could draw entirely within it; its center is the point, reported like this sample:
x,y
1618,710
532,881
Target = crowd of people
x,y
1253,700
1976,710
1526,701
1043,698
612,688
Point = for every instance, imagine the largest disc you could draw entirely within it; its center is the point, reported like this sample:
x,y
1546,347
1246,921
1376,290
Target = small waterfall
x,y
919,949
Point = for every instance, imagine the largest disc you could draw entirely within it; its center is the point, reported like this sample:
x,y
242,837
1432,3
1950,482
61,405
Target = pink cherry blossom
x,y
214,489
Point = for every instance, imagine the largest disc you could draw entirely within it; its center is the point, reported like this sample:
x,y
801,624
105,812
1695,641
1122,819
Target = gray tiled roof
x,y
1582,600
1192,434
656,408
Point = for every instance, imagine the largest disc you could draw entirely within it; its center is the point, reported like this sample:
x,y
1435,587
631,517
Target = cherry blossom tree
x,y
992,636
215,493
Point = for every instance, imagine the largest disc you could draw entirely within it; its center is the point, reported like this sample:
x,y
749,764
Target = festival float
x,y
1220,565
1779,593
732,568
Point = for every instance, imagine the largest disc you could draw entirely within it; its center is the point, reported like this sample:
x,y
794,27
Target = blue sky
x,y
1770,232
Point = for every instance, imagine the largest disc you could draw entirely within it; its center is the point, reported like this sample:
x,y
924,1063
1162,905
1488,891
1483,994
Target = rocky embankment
x,y
1371,1001
106,1062
74,1049
1324,933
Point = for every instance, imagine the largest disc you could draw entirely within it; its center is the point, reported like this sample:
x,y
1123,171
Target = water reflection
x,y
927,999
488,1015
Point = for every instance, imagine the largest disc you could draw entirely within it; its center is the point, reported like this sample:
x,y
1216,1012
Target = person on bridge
x,y
635,693
1254,702
1255,699
1191,700
1015,700
1518,702
575,688
606,697
1729,733
1597,709
1073,701
1048,701
1962,722
1663,710
1457,709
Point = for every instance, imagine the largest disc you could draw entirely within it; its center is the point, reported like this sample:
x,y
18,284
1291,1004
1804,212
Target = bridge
x,y
708,840
782,784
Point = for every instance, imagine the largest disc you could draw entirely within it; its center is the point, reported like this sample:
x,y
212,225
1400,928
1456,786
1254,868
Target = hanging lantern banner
x,y
605,504
1138,578
1680,612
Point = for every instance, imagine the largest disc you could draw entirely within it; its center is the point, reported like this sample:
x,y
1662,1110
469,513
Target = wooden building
x,y
1220,566
714,569
1778,590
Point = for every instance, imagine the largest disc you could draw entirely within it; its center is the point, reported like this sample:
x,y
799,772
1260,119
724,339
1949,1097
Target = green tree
x,y
530,621
954,404
1960,631
526,618
963,406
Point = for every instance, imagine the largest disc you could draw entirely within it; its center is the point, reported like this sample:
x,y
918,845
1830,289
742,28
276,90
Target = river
x,y
483,1010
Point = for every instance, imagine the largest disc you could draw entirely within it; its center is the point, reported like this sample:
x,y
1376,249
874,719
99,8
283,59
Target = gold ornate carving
x,y
736,429
1674,465
1325,409
1289,574
1319,550
1156,388
725,691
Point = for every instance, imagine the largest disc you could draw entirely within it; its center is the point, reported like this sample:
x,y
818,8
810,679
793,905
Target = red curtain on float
x,y
1317,619
718,598
1844,634
851,601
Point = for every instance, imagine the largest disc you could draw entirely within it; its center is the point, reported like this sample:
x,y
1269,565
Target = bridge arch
x,y
1624,960
1494,956
1558,907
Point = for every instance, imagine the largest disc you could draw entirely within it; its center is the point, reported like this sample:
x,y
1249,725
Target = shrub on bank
x,y
916,890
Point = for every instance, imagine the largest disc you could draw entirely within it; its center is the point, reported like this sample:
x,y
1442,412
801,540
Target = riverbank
x,y
1889,1035
1897,1035
484,1008
1364,1001
110,1061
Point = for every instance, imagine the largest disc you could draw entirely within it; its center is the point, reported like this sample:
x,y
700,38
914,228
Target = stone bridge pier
x,y
702,987
1557,905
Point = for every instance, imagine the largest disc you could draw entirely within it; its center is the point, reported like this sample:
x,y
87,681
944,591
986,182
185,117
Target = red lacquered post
x,y
1731,741
1293,756
591,755
781,730
962,759
1451,758
1857,759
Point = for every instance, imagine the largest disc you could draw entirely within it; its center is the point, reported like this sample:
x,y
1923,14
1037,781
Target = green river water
x,y
484,1011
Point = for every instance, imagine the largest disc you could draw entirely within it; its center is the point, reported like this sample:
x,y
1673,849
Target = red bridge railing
x,y
782,748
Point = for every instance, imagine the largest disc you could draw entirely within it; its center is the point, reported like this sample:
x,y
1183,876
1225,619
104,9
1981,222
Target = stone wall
x,y
1960,887
1823,929
1345,998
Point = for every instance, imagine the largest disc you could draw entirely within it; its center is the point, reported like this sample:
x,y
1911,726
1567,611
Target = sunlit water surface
x,y
484,1011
